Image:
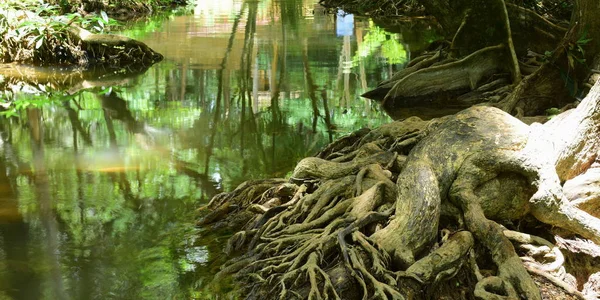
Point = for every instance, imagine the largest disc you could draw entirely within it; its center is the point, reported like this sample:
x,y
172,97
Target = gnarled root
x,y
543,259
224,205
494,288
547,205
448,77
114,49
340,228
450,256
291,249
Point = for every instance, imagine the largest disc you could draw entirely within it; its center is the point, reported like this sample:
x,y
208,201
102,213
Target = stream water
x,y
99,190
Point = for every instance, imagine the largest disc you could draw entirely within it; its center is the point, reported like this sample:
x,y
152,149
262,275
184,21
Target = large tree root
x,y
462,75
548,205
113,50
341,229
455,77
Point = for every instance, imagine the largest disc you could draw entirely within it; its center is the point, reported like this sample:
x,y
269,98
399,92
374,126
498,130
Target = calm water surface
x,y
98,190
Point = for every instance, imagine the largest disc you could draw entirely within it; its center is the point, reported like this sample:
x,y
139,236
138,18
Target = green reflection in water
x,y
99,188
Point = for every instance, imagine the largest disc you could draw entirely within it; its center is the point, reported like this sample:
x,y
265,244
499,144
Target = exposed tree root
x,y
113,50
450,256
532,31
454,77
584,191
341,229
465,74
556,281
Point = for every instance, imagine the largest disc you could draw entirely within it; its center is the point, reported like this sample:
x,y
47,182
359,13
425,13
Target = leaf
x,y
39,43
104,16
581,50
105,91
583,41
571,61
552,111
9,113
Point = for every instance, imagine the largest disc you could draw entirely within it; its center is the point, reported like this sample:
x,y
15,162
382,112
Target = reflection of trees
x,y
362,74
77,126
115,107
221,74
344,70
45,203
242,130
312,94
90,227
18,279
245,91
123,189
244,125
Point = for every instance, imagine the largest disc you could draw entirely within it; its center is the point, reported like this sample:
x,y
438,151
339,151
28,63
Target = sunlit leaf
x,y
39,43
104,16
571,61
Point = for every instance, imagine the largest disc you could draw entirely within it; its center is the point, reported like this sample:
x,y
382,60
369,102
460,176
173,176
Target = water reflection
x,y
99,189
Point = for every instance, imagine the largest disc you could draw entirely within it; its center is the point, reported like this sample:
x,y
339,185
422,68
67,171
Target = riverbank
x,y
74,33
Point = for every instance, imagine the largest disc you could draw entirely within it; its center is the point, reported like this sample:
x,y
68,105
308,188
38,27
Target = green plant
x,y
552,112
36,34
13,105
576,52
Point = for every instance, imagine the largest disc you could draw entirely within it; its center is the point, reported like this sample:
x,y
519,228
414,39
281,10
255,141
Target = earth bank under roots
x,y
459,207
40,36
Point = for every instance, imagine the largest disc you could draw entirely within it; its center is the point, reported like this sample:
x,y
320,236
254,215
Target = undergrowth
x,y
39,35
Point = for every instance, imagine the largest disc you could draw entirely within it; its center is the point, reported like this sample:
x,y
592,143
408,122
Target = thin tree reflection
x,y
17,277
76,125
220,75
45,202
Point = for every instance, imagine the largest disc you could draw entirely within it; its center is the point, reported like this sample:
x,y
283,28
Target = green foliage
x,y
378,39
12,105
35,33
123,205
552,112
116,7
576,51
394,52
377,7
141,29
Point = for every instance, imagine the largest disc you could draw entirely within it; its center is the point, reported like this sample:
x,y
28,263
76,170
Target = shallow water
x,y
98,189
